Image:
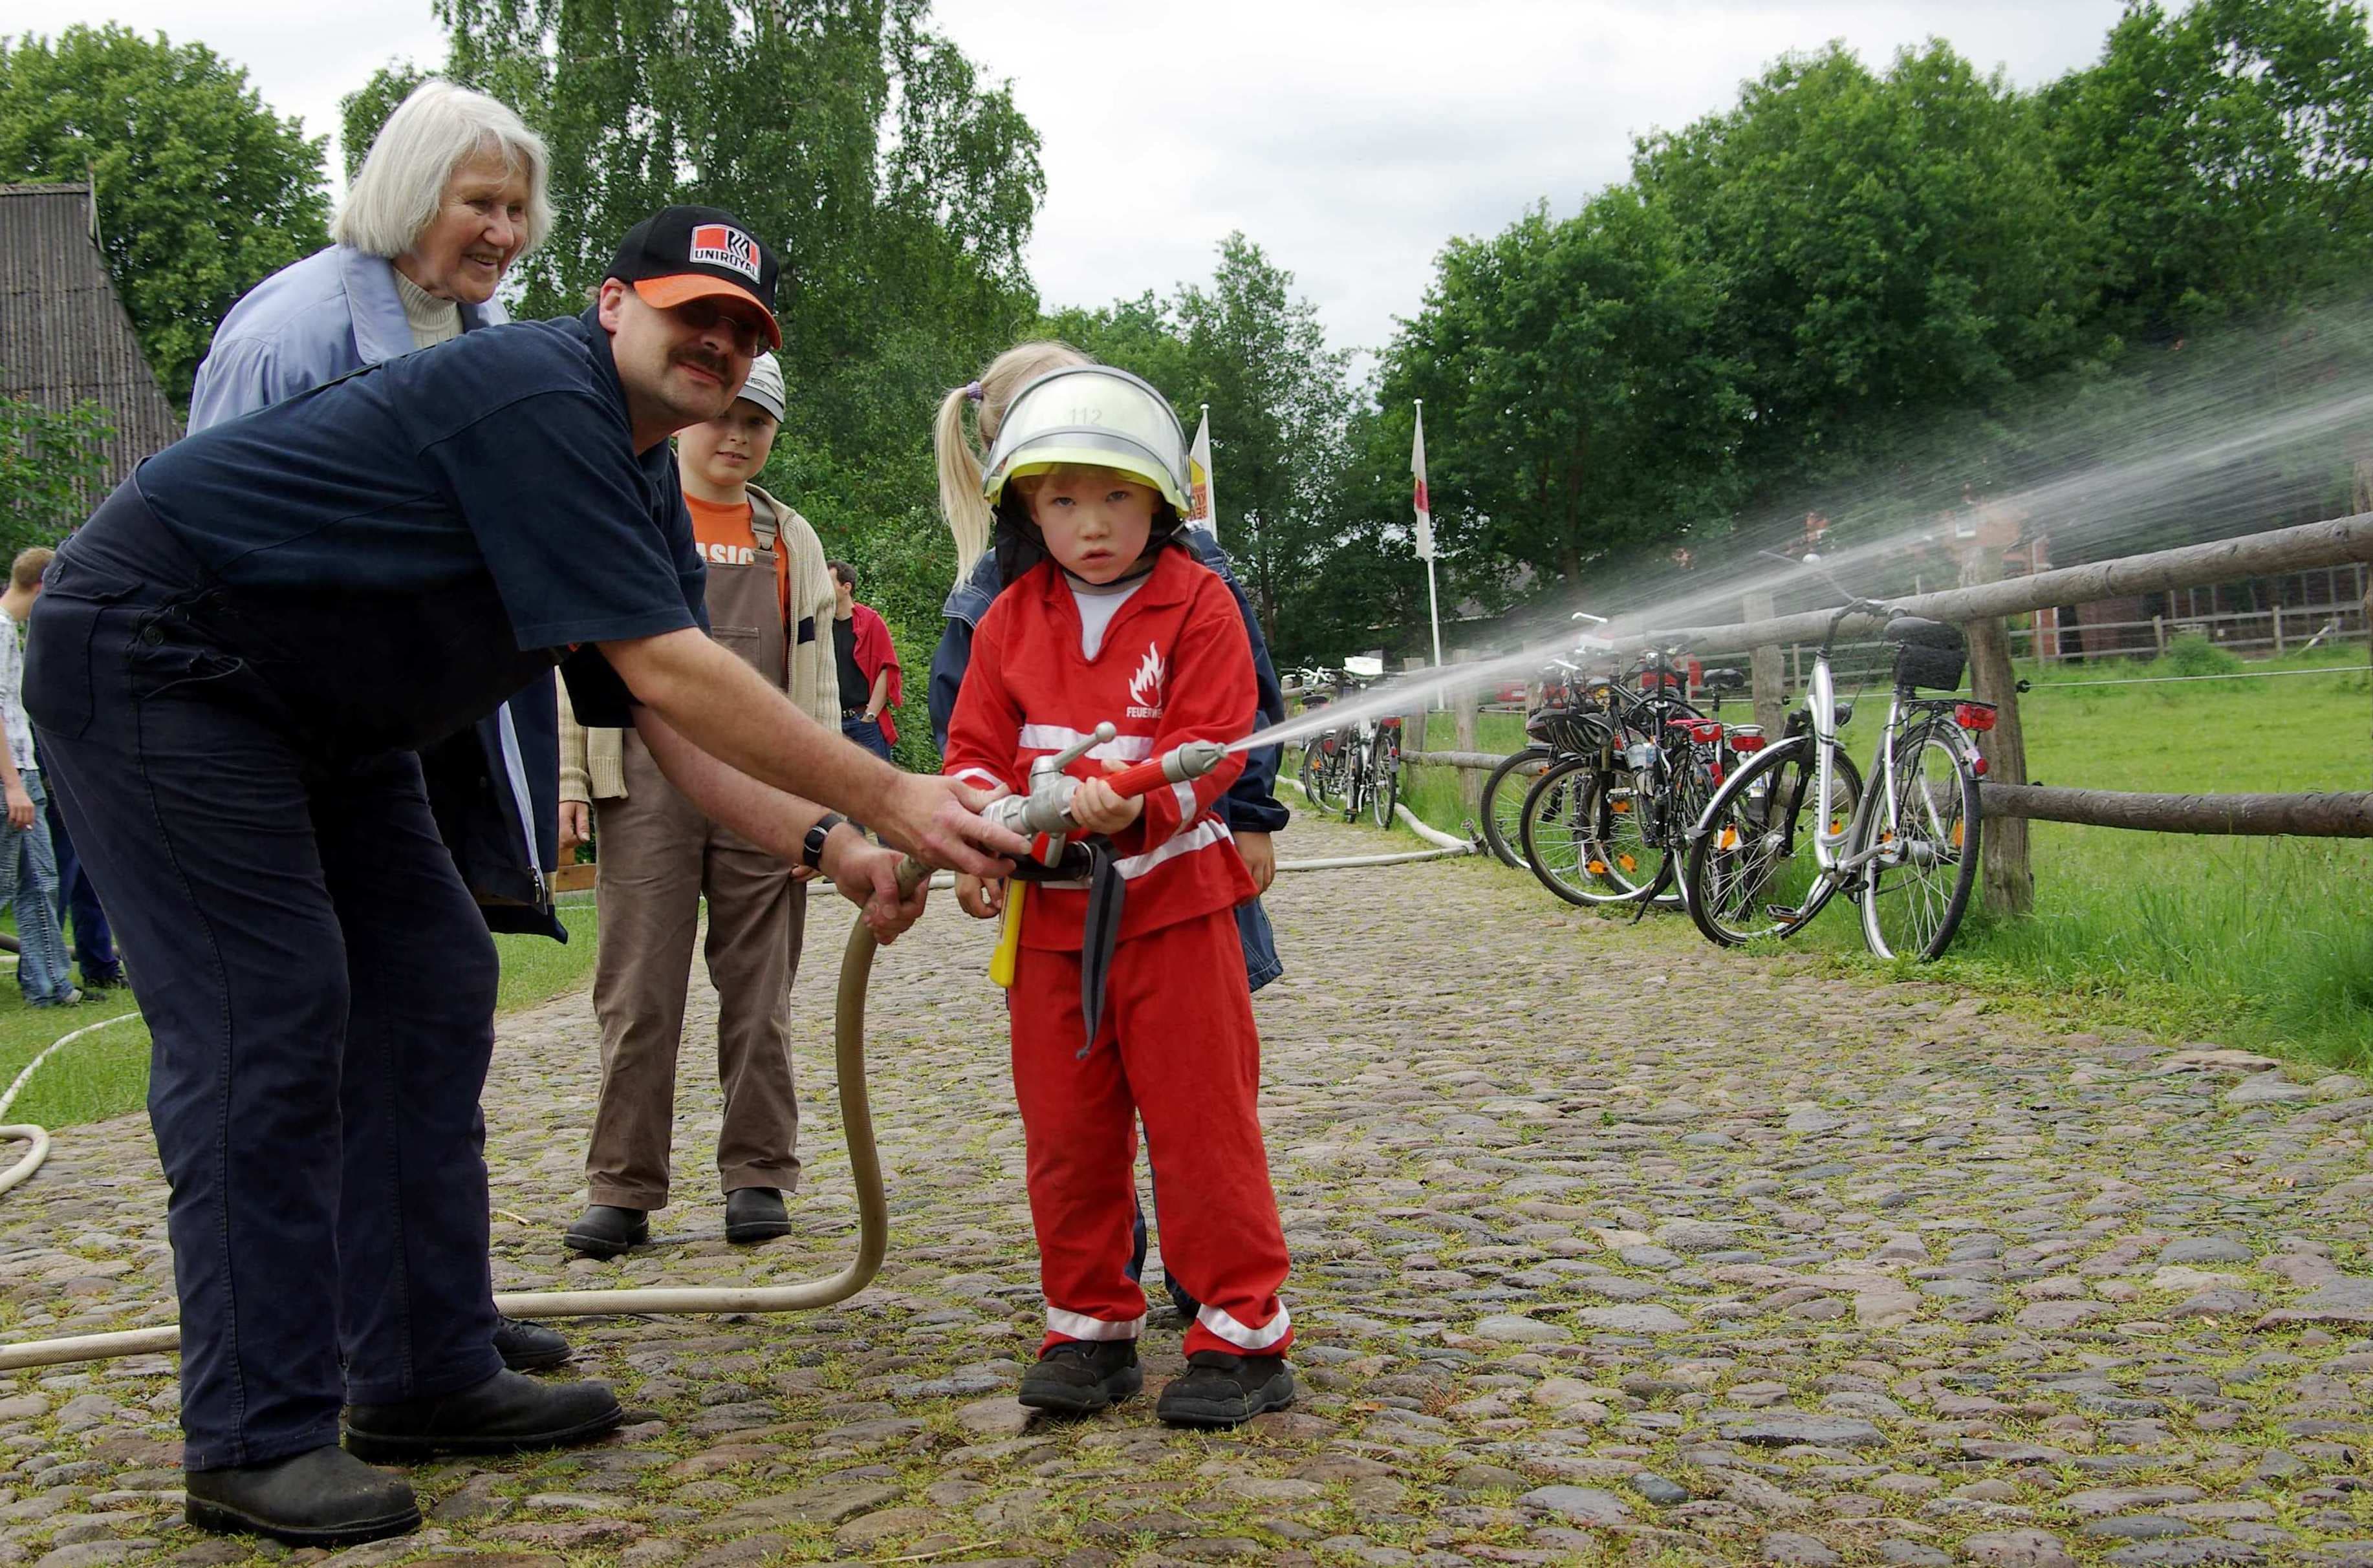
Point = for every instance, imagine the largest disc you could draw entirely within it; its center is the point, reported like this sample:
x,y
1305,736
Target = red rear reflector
x,y
1978,766
1745,737
1391,723
1974,716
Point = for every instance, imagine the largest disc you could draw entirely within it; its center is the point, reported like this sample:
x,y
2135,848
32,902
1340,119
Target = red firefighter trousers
x,y
1178,1047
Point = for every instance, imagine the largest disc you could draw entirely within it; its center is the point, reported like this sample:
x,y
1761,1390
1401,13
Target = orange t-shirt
x,y
726,539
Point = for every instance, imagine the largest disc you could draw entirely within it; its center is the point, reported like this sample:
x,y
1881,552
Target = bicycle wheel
x,y
1752,872
1916,889
1503,801
1565,829
1319,770
1625,848
1385,778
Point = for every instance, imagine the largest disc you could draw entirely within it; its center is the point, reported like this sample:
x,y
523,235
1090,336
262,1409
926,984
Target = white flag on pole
x,y
1206,514
1424,512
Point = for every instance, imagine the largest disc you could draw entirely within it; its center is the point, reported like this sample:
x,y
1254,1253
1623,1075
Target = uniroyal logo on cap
x,y
722,245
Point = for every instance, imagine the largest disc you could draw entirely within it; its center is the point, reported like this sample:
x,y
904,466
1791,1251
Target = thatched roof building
x,y
65,337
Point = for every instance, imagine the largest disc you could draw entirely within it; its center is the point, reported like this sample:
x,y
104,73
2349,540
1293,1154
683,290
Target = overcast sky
x,y
1348,138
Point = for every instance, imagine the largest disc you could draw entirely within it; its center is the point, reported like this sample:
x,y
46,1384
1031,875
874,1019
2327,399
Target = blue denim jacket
x,y
313,321
1250,806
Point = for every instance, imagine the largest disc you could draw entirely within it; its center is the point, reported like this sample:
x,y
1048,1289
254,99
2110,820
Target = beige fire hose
x,y
864,1165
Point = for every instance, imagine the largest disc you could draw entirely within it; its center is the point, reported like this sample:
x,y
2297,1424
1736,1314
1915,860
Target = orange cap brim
x,y
668,292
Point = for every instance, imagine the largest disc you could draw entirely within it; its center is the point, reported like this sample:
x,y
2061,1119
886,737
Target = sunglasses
x,y
702,315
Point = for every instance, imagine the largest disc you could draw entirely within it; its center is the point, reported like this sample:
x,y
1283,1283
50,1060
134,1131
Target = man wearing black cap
x,y
234,660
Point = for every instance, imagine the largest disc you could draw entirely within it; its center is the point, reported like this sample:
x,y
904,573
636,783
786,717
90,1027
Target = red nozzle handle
x,y
1191,761
1144,778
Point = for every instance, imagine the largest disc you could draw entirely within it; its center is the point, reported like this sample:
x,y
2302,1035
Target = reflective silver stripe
x,y
516,767
1182,793
1199,837
981,776
1236,1333
1056,737
1078,1326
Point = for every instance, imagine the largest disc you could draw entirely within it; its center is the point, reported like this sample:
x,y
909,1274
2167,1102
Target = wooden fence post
x,y
1763,671
1464,704
2009,874
1413,734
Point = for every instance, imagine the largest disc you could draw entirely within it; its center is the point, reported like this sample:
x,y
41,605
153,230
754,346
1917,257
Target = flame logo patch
x,y
1145,686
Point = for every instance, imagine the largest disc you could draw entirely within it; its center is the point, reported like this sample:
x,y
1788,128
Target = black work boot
x,y
605,1231
504,1413
755,1214
1219,1390
323,1497
527,1347
1081,1376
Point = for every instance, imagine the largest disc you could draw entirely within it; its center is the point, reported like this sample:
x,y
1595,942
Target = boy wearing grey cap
x,y
770,600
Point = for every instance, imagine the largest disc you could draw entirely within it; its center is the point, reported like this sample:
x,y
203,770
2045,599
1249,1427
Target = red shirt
x,y
1174,666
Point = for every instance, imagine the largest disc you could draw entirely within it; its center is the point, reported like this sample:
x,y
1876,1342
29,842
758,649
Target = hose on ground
x,y
865,1170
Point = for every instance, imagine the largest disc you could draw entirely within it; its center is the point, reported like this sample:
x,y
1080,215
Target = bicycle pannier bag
x,y
1928,652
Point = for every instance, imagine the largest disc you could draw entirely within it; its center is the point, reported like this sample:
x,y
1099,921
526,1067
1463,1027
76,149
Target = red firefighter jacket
x,y
1174,666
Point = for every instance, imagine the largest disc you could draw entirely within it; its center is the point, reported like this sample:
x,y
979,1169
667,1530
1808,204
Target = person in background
x,y
94,943
28,868
870,681
768,598
451,194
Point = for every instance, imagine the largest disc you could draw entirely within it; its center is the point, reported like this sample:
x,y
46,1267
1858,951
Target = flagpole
x,y
1432,596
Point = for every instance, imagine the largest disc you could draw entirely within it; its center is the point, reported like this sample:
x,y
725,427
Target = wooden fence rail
x,y
2342,815
2331,543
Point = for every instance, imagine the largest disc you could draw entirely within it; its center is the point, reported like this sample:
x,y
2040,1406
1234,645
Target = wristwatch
x,y
812,851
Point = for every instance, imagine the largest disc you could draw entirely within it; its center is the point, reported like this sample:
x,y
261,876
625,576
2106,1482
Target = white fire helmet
x,y
1090,415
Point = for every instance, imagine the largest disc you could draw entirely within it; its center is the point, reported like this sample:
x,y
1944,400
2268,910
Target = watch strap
x,y
812,851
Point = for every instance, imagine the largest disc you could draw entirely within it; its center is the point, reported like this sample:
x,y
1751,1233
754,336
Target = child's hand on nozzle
x,y
1098,810
983,897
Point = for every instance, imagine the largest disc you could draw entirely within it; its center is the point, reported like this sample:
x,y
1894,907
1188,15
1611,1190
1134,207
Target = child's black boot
x,y
1219,1390
1081,1376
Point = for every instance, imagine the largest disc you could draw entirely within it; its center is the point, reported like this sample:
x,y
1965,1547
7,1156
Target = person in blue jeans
x,y
1250,809
29,868
77,899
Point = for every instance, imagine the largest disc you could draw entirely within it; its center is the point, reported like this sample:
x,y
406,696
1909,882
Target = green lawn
x,y
106,1073
2261,942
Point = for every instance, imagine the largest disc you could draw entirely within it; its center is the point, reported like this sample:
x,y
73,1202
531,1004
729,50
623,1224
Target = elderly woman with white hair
x,y
451,193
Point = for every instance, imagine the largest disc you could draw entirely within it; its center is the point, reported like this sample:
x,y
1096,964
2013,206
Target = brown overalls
x,y
659,854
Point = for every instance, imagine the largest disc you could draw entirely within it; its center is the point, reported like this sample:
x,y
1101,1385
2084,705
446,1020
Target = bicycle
x,y
1358,763
1607,825
1905,848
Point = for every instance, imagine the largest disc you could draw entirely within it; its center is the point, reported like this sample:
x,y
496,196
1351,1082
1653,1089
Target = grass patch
x,y
106,1073
2261,943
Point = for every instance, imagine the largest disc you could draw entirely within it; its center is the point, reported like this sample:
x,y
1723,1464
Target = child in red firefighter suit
x,y
1117,620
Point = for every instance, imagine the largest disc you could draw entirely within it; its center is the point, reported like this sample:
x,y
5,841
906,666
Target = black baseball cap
x,y
682,253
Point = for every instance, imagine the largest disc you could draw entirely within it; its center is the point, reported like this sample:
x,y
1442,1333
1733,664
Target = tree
x,y
2226,154
1884,249
49,461
362,112
1576,407
899,188
203,190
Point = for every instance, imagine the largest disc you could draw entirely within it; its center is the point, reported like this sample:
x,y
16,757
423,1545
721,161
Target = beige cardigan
x,y
592,764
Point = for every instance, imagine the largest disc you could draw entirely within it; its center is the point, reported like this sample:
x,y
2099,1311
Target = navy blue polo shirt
x,y
407,546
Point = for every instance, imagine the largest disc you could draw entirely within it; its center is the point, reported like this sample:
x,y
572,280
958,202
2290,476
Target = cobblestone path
x,y
1606,1245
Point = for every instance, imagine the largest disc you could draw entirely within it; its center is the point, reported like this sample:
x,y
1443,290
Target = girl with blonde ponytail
x,y
961,453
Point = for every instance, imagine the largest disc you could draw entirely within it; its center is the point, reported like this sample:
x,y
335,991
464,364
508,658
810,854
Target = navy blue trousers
x,y
320,991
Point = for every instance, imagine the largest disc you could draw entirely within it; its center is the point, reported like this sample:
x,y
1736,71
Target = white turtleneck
x,y
432,321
